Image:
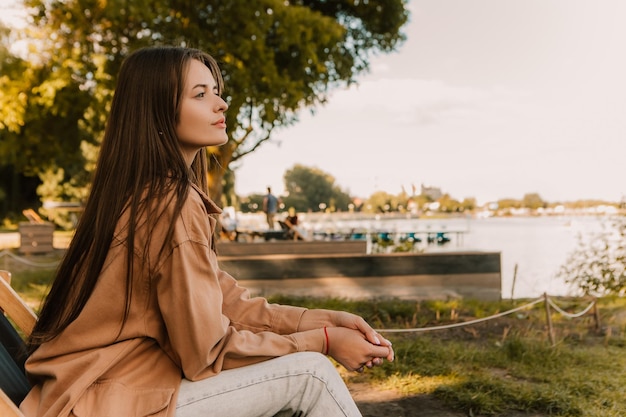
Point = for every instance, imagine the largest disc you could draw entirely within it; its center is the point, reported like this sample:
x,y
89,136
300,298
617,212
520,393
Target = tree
x,y
277,57
533,201
382,202
422,201
509,204
312,189
45,113
447,204
598,266
468,204
33,114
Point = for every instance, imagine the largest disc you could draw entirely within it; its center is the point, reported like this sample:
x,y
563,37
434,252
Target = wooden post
x,y
549,319
514,278
596,315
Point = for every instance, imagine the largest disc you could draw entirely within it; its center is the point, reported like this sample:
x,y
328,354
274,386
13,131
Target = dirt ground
x,y
378,403
374,402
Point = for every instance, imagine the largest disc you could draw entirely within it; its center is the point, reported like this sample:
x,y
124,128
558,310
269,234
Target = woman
x,y
295,232
140,319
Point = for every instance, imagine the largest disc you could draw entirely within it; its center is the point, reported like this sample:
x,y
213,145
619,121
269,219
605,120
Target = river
x,y
532,248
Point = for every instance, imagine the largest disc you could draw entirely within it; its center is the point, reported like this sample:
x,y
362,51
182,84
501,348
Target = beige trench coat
x,y
188,318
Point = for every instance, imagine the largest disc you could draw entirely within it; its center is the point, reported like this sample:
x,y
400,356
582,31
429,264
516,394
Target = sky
x,y
488,99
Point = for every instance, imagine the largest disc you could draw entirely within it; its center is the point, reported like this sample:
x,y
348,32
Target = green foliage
x,y
42,107
312,189
55,188
447,204
509,203
382,202
469,204
252,203
277,57
598,265
533,201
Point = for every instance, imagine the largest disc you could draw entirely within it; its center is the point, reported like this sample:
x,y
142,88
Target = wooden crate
x,y
36,237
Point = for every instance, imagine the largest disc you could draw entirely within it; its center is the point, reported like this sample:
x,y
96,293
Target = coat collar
x,y
210,205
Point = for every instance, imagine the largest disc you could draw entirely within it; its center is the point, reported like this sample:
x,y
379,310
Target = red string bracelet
x,y
327,343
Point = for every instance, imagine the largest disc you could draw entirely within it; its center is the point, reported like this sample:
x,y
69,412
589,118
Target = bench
x,y
13,383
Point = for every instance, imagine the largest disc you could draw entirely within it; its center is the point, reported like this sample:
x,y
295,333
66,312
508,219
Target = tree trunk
x,y
218,160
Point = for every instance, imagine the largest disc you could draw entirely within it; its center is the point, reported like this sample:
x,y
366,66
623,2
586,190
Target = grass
x,y
491,368
519,374
31,275
505,365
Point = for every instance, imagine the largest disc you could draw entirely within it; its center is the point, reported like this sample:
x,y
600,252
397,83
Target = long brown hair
x,y
140,161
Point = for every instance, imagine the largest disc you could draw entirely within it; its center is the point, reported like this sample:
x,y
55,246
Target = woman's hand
x,y
352,321
318,318
353,351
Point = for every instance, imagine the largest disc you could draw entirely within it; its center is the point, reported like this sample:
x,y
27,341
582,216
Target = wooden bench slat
x,y
13,305
24,318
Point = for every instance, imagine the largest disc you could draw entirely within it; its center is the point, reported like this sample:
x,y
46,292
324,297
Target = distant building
x,y
433,193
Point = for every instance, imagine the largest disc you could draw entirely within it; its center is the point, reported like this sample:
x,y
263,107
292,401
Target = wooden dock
x,y
281,247
329,272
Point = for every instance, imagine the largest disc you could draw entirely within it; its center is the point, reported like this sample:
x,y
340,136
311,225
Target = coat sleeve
x,y
208,319
255,314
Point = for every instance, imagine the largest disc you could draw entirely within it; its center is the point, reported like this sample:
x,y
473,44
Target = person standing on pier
x,y
270,207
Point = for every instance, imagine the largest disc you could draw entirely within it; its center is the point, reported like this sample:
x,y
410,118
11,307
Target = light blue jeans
x,y
300,384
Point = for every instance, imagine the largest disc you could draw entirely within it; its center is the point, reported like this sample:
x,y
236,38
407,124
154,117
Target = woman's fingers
x,y
350,348
352,321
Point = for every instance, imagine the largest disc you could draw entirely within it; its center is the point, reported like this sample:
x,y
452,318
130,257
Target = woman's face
x,y
201,121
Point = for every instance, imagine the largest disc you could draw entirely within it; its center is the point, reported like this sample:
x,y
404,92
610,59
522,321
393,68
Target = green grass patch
x,y
504,365
31,275
32,285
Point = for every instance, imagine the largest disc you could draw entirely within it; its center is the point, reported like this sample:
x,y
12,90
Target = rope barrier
x,y
571,315
28,262
495,316
465,323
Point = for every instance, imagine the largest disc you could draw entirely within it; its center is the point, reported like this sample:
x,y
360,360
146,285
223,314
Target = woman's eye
x,y
202,94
